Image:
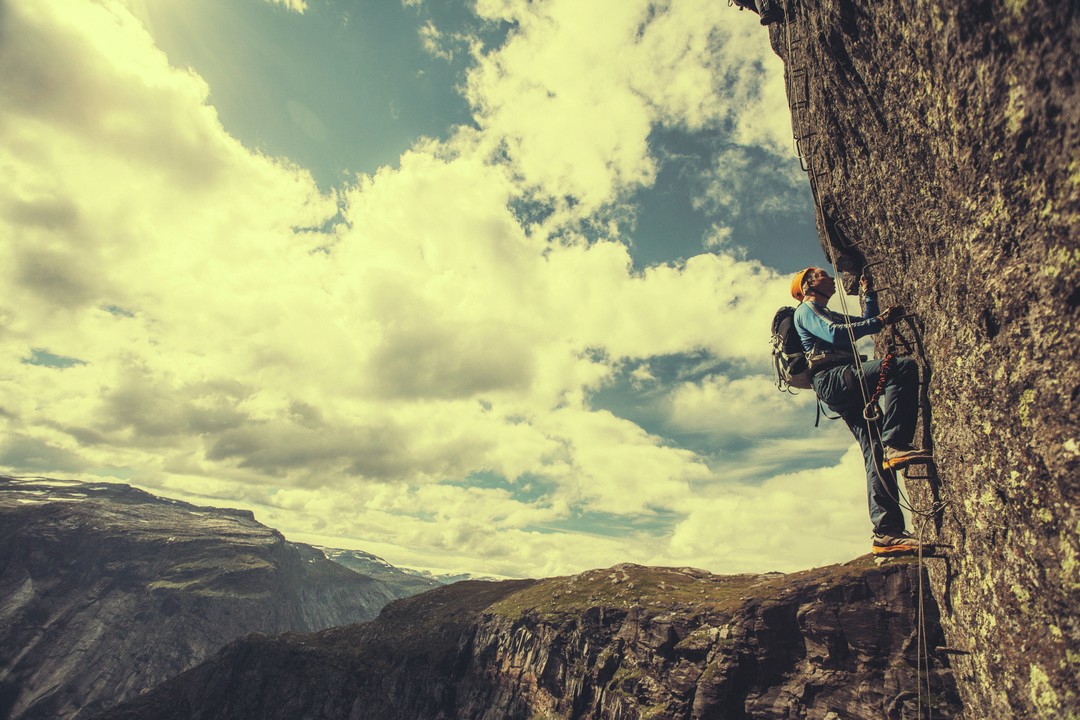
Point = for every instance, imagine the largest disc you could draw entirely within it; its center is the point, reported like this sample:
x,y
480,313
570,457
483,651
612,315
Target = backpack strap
x,y
817,418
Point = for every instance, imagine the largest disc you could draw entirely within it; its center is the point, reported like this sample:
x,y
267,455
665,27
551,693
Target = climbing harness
x,y
803,149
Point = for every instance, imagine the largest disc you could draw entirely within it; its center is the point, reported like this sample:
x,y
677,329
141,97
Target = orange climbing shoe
x,y
899,544
897,458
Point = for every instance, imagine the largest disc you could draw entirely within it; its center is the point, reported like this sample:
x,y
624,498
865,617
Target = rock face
x,y
629,642
943,139
106,591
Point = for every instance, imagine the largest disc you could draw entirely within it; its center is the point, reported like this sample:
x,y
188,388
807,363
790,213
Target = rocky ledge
x,y
627,642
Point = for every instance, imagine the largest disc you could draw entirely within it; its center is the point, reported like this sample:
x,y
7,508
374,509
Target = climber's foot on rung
x,y
897,458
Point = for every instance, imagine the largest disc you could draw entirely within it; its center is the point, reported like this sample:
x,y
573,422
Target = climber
x,y
826,338
769,10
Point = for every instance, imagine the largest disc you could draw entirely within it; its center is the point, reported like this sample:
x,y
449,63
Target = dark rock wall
x,y
407,664
106,591
619,644
943,139
834,643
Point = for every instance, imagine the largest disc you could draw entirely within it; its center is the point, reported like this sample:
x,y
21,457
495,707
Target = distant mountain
x,y
414,580
403,582
105,591
450,578
625,643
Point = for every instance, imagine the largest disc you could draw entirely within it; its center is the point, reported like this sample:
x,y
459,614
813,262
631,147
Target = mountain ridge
x,y
107,590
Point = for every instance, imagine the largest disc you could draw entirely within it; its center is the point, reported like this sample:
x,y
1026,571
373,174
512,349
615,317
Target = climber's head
x,y
812,281
797,282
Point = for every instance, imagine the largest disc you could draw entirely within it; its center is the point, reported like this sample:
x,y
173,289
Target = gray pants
x,y
838,388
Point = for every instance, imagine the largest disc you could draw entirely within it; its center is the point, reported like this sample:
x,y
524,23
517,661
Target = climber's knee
x,y
905,369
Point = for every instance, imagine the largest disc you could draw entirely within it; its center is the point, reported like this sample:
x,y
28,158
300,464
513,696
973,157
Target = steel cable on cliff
x,y
819,212
923,515
873,429
806,160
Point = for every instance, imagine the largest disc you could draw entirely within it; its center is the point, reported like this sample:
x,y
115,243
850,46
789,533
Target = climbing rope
x,y
857,367
871,410
871,425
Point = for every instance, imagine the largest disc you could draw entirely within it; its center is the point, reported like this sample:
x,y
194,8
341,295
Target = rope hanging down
x,y
798,108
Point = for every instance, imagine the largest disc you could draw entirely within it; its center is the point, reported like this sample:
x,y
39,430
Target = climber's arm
x,y
823,327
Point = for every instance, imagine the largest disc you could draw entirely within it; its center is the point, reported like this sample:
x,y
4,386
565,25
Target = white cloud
x,y
749,406
789,522
295,5
745,182
347,383
719,238
444,45
578,87
611,465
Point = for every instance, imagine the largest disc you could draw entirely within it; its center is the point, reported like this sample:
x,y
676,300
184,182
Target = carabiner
x,y
872,412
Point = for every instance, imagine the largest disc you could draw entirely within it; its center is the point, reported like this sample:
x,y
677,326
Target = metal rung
x,y
926,555
903,345
800,151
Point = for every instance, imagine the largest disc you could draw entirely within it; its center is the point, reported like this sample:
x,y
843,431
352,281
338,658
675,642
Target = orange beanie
x,y
797,283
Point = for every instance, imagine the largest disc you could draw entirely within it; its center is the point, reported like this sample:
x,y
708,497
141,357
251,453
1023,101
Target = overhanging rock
x,y
942,140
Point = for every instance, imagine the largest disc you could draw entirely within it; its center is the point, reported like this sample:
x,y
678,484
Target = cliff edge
x,y
624,643
941,141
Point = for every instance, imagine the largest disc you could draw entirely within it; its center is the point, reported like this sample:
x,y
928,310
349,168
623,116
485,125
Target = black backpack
x,y
789,360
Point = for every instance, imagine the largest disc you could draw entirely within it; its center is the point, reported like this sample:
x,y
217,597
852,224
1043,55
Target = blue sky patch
x,y
45,358
526,489
612,525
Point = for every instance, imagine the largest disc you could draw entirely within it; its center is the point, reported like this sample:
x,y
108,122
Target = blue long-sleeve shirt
x,y
822,330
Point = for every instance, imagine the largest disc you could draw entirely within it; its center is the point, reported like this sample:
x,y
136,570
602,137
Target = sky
x,y
477,286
